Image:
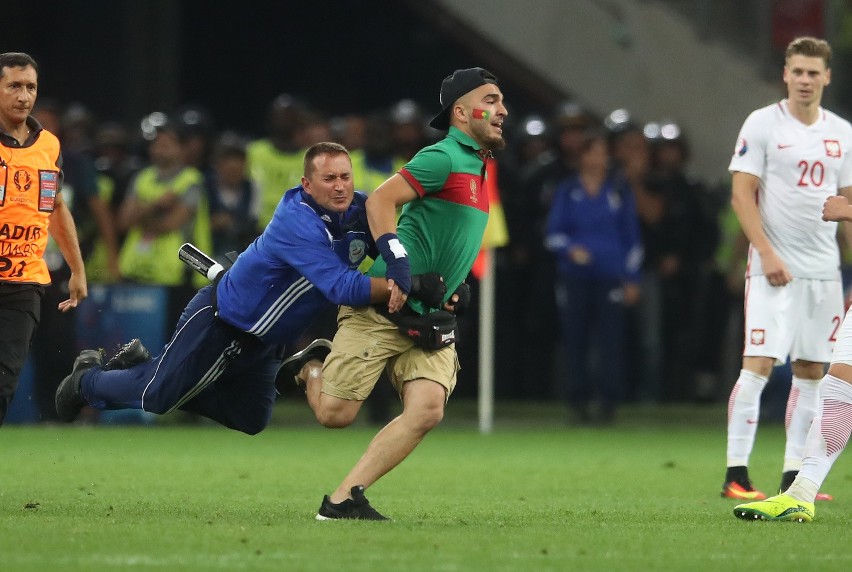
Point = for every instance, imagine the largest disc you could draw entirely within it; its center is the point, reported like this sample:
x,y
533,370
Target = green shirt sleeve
x,y
429,170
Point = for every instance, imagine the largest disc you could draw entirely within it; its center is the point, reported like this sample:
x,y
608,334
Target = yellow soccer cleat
x,y
779,507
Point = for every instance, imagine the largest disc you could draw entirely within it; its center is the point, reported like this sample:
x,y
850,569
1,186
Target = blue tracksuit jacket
x,y
302,262
224,355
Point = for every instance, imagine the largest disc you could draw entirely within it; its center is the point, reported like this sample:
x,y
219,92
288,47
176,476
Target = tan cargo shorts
x,y
366,342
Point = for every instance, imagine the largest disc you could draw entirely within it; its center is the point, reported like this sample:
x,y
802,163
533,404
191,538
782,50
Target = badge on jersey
x,y
758,337
4,175
741,148
832,148
357,251
48,186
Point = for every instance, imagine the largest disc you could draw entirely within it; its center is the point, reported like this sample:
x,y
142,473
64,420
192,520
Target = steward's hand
x,y
397,298
78,292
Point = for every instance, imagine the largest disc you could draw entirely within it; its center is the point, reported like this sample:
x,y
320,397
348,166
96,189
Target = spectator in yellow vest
x,y
165,206
275,162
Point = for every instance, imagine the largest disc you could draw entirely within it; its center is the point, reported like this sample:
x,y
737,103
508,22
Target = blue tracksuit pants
x,y
592,314
208,367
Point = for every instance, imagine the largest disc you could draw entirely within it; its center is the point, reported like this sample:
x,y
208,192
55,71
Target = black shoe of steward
x,y
130,354
69,395
317,349
358,508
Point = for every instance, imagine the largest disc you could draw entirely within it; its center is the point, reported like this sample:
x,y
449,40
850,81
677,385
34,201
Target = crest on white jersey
x,y
832,148
758,337
741,148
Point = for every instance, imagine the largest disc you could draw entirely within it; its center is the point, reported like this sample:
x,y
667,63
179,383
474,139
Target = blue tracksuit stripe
x,y
154,381
277,309
166,349
215,371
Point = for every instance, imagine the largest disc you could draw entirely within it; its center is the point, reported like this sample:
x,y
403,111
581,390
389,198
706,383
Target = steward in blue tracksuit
x,y
223,358
590,289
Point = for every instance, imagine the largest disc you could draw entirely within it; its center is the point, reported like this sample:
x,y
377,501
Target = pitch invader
x,y
789,158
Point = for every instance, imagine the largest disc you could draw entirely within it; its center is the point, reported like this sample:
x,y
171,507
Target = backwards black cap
x,y
456,85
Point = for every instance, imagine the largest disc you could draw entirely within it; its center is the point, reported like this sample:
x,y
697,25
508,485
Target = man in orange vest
x,y
30,203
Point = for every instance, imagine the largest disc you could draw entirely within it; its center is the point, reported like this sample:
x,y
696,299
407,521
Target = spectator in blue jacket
x,y
593,231
223,358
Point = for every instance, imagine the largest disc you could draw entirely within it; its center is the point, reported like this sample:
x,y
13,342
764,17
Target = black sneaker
x,y
358,507
69,396
130,354
317,349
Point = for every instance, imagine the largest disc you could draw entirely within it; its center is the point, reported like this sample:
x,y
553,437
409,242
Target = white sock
x,y
743,415
802,405
827,438
803,489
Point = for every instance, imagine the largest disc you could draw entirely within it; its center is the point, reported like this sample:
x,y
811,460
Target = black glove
x,y
463,292
429,288
396,260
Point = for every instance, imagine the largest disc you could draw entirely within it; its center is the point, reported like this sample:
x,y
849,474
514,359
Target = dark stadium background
x,y
125,58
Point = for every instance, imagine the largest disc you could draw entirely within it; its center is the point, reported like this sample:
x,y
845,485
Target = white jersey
x,y
799,166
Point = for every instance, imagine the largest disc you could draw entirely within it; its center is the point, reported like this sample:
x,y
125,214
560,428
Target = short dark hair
x,y
324,148
16,60
809,47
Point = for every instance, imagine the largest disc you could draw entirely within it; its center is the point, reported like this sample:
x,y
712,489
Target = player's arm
x,y
383,203
838,209
382,207
744,202
61,227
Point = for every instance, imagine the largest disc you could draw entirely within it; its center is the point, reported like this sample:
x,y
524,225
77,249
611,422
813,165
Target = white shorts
x,y
843,347
800,320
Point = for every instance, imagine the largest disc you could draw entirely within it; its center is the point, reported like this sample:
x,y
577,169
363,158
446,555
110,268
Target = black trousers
x,y
20,312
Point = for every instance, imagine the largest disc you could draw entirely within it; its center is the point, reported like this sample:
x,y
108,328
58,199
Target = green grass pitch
x,y
536,494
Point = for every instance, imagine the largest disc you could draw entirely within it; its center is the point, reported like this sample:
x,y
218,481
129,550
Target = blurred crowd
x,y
671,331
139,191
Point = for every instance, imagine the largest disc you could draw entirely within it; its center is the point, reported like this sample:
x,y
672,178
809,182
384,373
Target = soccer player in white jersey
x,y
789,158
829,433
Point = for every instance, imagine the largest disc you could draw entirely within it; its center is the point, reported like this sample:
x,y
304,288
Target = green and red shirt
x,y
442,231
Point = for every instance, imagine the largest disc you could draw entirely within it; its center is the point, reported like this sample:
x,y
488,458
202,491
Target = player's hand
x,y
775,270
78,292
397,297
836,209
459,301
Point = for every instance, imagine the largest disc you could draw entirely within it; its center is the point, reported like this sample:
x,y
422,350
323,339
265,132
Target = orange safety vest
x,y
30,179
